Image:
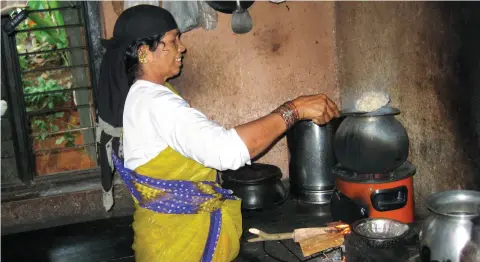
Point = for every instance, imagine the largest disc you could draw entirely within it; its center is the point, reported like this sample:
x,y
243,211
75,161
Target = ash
x,y
335,255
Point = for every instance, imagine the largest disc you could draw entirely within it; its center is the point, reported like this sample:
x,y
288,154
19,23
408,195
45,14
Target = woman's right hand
x,y
318,108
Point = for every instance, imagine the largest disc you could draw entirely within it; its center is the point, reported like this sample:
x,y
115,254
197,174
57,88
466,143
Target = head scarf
x,y
135,23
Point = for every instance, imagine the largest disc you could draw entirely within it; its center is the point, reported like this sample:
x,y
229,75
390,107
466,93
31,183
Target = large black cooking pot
x,y
372,143
258,185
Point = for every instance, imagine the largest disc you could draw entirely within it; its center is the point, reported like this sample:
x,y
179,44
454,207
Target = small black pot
x,y
258,185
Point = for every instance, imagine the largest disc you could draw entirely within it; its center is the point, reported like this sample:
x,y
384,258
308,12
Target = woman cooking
x,y
172,151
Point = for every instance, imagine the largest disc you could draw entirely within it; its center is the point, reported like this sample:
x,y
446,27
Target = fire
x,y
343,228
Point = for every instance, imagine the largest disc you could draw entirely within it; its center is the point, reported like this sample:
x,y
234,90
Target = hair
x,y
131,55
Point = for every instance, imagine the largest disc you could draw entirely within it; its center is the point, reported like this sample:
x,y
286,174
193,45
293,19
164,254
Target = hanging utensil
x,y
241,20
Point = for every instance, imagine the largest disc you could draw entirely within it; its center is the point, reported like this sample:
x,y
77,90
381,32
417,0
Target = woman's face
x,y
167,58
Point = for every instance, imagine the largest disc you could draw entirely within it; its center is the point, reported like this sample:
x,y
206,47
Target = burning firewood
x,y
323,242
320,243
300,234
312,240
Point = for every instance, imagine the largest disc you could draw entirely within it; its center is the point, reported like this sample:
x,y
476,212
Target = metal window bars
x,y
53,72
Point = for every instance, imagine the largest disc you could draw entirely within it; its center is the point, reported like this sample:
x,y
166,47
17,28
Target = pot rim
x,y
354,228
435,200
383,111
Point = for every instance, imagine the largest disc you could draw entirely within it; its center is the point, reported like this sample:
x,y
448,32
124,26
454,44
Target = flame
x,y
343,228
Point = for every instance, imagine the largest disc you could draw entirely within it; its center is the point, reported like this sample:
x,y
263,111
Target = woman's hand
x,y
318,108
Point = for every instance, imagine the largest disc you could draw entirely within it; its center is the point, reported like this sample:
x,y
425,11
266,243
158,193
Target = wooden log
x,y
297,235
301,234
320,243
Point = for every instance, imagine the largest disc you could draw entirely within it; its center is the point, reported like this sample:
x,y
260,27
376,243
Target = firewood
x,y
297,235
320,243
301,234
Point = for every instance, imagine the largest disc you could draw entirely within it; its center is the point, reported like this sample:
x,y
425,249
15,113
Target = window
x,y
50,73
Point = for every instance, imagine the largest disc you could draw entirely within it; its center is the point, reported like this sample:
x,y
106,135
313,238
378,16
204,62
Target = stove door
x,y
347,210
389,199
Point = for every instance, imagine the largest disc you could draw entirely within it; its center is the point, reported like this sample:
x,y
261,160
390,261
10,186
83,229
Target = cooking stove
x,y
354,250
381,195
294,214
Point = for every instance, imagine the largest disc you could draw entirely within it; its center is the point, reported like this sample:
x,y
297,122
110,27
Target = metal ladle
x,y
241,20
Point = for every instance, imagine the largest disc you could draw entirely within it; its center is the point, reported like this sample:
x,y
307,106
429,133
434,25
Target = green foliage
x,y
42,39
35,101
35,98
44,125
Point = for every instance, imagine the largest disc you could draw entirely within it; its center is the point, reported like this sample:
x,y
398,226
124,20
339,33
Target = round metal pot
x,y
375,142
259,186
446,232
471,251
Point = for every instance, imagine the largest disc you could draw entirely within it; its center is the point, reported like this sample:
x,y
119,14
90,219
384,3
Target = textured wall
x,y
412,50
231,78
237,78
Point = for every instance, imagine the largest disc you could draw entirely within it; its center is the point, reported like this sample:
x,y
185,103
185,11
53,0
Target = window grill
x,y
53,74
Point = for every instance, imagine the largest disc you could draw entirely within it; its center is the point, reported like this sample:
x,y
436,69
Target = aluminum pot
x,y
375,142
311,161
445,233
471,251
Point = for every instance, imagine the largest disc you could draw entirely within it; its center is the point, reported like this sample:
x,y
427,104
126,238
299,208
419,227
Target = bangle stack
x,y
288,111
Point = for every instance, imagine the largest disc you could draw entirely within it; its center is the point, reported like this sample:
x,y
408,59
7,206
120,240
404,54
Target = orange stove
x,y
388,195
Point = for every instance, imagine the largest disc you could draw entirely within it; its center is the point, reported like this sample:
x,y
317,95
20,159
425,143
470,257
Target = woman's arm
x,y
259,134
191,133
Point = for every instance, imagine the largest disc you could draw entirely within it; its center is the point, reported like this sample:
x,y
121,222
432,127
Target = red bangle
x,y
288,113
294,108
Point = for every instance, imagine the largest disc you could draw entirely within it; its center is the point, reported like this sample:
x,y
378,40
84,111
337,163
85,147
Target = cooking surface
x,y
283,219
293,215
110,240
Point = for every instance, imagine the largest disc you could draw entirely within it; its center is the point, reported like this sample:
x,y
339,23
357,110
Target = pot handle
x,y
389,199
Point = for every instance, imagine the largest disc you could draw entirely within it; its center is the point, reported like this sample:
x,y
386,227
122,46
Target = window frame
x,y
29,184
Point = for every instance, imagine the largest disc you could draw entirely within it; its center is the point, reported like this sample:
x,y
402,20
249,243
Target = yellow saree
x,y
182,237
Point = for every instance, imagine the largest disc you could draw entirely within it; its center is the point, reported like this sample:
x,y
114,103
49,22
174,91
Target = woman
x,y
181,213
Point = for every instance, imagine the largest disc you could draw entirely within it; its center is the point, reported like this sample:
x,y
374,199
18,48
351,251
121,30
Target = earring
x,y
142,57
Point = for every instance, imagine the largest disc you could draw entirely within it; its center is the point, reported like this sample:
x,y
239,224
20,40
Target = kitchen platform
x,y
111,239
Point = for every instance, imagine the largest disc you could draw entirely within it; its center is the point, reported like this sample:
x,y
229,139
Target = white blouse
x,y
154,118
